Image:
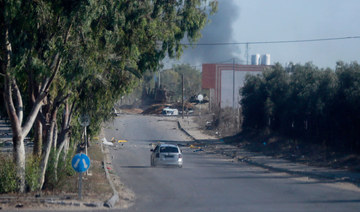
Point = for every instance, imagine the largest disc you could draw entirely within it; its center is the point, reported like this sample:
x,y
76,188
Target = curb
x,y
110,203
182,129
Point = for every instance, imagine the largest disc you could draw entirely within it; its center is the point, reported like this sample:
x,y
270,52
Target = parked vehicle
x,y
166,154
170,112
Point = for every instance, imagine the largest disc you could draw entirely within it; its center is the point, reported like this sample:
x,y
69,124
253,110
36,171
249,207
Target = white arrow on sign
x,y
85,164
77,163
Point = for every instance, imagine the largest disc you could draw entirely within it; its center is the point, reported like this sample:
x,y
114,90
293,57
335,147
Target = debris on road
x,y
194,147
107,142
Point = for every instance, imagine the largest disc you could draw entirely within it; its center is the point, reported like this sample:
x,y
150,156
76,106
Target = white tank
x,y
265,59
255,59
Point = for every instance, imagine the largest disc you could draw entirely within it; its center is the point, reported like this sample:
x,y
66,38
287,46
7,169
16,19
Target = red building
x,y
225,80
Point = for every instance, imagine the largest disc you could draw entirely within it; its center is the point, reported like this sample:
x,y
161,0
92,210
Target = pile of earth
x,y
158,108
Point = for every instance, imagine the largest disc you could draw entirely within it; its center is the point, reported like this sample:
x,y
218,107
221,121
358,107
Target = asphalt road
x,y
209,182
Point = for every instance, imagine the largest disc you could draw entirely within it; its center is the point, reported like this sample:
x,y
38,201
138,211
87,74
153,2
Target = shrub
x,y
32,173
8,177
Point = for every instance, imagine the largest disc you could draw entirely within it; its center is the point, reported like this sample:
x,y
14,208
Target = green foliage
x,y
64,170
50,179
32,173
306,102
100,48
8,180
253,102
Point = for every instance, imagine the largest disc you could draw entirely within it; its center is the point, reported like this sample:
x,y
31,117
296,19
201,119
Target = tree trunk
x,y
48,146
66,126
38,138
63,138
60,149
19,158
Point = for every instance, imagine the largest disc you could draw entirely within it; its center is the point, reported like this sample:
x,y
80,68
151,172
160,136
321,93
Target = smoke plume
x,y
219,30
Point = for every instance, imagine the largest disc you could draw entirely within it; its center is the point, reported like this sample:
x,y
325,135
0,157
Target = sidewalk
x,y
214,144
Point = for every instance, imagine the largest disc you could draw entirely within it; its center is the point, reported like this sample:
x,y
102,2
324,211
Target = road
x,y
209,182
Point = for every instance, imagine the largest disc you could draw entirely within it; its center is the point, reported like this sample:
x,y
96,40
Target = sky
x,y
241,21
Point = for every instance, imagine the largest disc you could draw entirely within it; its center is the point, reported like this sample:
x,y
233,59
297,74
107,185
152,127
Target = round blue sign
x,y
80,162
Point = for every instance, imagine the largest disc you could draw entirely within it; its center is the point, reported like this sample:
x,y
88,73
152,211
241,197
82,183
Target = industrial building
x,y
225,80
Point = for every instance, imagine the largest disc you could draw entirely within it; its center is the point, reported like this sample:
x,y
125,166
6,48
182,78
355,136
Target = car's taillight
x,y
180,155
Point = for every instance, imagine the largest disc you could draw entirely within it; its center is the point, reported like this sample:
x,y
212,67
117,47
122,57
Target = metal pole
x,y
80,185
86,143
247,53
182,85
233,83
159,77
86,147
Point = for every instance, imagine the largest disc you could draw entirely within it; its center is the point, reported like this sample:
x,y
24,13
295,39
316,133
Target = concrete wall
x,y
220,77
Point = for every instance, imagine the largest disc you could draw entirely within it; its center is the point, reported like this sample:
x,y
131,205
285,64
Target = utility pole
x,y
233,83
182,88
247,53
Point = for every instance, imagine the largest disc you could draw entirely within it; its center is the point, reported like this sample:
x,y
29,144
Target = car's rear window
x,y
169,149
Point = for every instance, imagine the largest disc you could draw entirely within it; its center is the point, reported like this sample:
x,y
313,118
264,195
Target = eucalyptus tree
x,y
32,38
44,43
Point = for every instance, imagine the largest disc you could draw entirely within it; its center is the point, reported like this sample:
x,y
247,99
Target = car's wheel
x,y
180,166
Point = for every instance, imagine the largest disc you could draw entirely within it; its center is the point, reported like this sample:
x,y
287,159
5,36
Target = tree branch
x,y
19,105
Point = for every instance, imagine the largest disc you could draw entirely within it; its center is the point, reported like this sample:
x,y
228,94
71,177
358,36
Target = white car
x,y
170,112
166,154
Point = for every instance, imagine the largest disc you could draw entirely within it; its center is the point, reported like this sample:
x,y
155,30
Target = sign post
x,y
80,163
84,121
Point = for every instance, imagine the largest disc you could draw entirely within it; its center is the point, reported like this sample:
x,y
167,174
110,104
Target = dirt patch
x,y
132,111
155,109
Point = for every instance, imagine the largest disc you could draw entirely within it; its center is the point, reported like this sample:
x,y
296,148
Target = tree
x,y
171,81
346,106
82,45
277,92
253,102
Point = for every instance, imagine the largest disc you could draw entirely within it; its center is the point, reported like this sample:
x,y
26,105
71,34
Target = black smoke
x,y
219,30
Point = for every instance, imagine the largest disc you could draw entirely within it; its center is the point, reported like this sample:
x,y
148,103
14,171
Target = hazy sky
x,y
275,20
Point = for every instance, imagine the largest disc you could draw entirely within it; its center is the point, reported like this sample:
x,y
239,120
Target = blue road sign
x,y
80,162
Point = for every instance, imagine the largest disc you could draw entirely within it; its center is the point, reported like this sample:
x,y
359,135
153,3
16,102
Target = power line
x,y
274,42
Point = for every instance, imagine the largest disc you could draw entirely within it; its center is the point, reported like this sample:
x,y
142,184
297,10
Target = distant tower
x,y
265,59
255,59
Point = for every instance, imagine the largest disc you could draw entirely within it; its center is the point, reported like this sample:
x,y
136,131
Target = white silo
x,y
265,59
255,59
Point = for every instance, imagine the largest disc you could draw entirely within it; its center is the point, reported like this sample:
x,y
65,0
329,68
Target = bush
x,y
32,173
64,170
8,177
